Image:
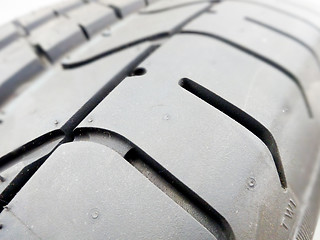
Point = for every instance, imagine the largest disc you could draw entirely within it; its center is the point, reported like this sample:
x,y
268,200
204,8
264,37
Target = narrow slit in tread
x,y
293,38
242,118
84,31
192,203
42,55
260,57
116,10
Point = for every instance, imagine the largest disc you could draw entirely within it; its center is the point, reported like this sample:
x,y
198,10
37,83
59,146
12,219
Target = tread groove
x,y
260,57
114,50
153,37
192,203
116,10
67,129
293,38
84,31
105,90
242,118
286,13
30,146
19,181
176,7
42,54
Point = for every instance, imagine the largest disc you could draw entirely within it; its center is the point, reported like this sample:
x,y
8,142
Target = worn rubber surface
x,y
163,119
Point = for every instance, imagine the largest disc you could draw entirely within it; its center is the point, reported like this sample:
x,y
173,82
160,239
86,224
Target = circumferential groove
x,y
261,58
242,118
192,203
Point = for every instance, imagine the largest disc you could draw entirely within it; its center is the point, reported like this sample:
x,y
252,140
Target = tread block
x,y
20,229
166,5
8,33
35,19
288,54
288,10
152,109
124,34
86,170
93,17
10,171
57,37
292,26
33,114
65,6
18,63
125,7
152,1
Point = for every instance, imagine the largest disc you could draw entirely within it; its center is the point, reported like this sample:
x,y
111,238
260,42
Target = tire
x,y
161,119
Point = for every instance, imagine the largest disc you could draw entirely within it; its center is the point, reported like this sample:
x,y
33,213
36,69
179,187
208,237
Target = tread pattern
x,y
241,117
120,90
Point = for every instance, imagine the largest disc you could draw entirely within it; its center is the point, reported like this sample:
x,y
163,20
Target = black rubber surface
x,y
161,119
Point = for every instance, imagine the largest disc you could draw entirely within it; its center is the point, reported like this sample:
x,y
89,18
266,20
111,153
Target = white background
x,y
11,9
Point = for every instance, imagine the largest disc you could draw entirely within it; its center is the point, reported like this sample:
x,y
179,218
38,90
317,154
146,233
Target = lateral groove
x,y
242,118
260,57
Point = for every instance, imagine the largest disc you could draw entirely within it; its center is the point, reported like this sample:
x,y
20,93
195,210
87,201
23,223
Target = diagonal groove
x,y
84,31
114,50
153,37
260,57
241,117
70,125
293,38
286,13
116,10
181,5
105,90
186,198
9,158
23,177
19,181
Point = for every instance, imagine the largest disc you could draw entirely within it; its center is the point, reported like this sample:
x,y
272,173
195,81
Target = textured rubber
x,y
163,119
